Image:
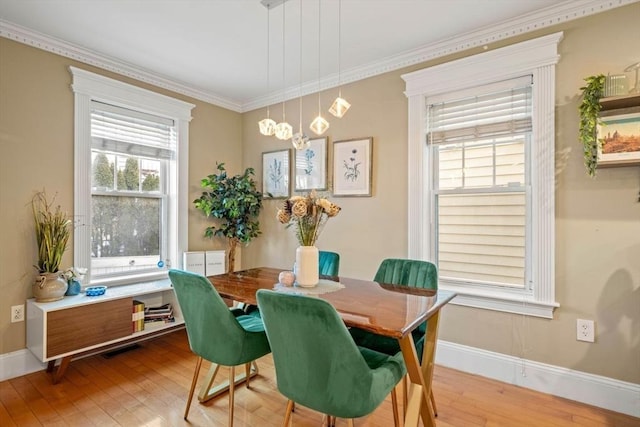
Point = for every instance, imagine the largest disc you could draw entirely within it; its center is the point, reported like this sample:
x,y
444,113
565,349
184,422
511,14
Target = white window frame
x,y
537,57
88,86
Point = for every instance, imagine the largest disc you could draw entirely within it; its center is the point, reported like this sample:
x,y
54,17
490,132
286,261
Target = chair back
x,y
214,332
317,363
408,272
329,263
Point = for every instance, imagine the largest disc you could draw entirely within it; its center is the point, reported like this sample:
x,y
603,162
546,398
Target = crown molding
x,y
50,44
547,17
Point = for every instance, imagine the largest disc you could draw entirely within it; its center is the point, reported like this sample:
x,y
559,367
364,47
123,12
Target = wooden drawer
x,y
88,325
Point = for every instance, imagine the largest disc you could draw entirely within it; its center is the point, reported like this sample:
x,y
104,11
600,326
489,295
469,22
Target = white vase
x,y
307,266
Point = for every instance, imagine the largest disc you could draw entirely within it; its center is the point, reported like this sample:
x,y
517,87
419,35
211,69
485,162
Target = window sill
x,y
507,302
129,280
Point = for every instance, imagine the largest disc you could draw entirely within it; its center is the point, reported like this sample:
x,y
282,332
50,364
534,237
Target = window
x,y
481,143
478,146
131,148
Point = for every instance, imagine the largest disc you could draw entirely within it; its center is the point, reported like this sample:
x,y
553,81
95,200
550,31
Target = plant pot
x,y
49,287
307,259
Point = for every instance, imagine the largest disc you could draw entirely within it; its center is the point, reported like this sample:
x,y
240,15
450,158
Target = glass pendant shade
x,y
283,131
267,126
339,107
319,125
300,141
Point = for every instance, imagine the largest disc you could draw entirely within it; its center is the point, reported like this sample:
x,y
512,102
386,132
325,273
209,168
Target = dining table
x,y
384,309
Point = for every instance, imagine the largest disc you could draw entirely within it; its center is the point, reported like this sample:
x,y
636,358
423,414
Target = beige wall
x,y
36,143
598,220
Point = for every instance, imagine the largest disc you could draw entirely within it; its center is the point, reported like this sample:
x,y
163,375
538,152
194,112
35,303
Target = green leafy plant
x,y
589,118
235,203
53,229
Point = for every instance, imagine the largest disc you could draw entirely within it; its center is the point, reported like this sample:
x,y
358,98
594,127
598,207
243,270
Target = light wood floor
x,y
148,387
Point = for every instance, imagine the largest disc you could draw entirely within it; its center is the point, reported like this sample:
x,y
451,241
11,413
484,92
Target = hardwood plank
x,y
149,386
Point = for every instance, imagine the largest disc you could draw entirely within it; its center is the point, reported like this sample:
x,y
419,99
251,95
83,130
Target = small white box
x,y
194,262
215,263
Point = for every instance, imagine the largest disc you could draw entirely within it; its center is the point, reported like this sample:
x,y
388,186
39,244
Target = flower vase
x,y
74,287
49,287
307,266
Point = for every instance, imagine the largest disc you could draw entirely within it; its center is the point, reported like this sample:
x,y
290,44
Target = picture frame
x,y
275,174
620,136
352,168
310,168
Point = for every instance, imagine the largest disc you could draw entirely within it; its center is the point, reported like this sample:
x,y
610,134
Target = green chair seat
x,y
317,363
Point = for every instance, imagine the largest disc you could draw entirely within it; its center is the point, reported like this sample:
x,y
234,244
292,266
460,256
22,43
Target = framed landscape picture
x,y
311,166
275,174
620,136
352,167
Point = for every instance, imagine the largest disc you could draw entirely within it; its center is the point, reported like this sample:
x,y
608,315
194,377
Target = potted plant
x,y
53,229
235,203
589,118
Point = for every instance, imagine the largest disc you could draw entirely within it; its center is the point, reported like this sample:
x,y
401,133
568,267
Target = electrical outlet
x,y
17,313
586,330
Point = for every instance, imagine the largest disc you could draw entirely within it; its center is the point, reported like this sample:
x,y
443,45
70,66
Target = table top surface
x,y
391,310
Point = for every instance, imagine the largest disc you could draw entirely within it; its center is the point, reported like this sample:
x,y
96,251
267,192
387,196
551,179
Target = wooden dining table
x,y
385,309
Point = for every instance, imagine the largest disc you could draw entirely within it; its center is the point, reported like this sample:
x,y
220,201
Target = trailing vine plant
x,y
589,118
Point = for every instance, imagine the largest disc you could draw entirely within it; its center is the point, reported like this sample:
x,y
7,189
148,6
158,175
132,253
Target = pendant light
x,y
319,125
340,105
283,129
267,126
300,140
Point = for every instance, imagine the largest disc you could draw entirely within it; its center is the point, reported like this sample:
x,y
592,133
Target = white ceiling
x,y
216,50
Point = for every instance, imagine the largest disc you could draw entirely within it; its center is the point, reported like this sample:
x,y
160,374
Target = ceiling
x,y
216,50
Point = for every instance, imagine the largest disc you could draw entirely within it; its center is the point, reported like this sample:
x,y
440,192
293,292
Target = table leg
x,y
428,363
417,396
208,391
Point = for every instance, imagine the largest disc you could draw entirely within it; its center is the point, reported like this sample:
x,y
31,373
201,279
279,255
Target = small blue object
x,y
160,264
94,291
73,288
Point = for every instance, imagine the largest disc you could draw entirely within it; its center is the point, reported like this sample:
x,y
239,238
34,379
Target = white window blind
x,y
479,146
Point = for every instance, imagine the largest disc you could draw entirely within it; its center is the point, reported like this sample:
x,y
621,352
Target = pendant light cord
x,y
300,69
284,86
268,49
339,46
319,69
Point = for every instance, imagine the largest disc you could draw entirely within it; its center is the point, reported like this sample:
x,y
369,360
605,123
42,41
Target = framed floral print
x,y
352,167
311,166
275,174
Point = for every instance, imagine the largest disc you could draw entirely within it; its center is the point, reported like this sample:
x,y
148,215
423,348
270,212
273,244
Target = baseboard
x,y
607,393
18,363
618,396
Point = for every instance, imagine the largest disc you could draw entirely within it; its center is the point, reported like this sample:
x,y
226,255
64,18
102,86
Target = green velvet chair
x,y
328,263
217,334
414,273
317,363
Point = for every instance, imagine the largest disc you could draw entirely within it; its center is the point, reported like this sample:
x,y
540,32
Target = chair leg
x,y
405,398
350,422
193,386
394,404
433,404
247,370
232,386
287,413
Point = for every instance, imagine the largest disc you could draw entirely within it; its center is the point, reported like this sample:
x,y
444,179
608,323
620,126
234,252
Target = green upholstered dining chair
x,y
328,263
414,273
317,363
217,334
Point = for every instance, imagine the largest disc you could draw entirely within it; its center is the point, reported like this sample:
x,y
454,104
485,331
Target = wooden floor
x,y
148,387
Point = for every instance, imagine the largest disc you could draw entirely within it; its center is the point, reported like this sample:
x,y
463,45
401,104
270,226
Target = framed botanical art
x,y
352,169
620,137
275,174
310,172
